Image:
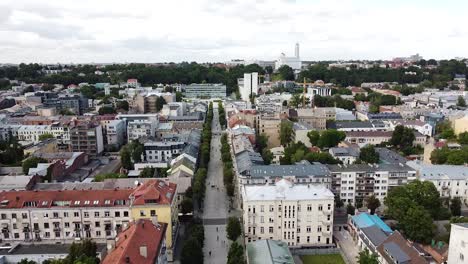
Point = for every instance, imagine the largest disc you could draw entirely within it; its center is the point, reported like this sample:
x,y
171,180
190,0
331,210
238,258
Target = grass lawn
x,y
323,259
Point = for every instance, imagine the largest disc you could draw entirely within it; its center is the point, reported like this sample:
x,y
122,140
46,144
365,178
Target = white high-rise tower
x,y
296,52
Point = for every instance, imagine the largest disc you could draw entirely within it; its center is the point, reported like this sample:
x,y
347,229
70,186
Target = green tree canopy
x,y
366,257
369,155
31,163
236,254
233,228
45,136
286,73
285,132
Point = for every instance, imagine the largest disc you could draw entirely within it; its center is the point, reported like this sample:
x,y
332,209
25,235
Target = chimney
x,y
144,251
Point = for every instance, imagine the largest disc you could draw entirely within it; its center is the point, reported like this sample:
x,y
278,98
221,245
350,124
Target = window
x,y
262,220
272,208
142,213
308,239
462,258
96,202
97,224
55,214
13,216
65,214
86,202
86,214
262,208
309,207
67,225
125,213
47,234
117,214
77,202
308,229
318,239
262,230
270,230
329,206
328,217
57,234
24,215
106,214
320,207
46,225
153,212
319,229
96,214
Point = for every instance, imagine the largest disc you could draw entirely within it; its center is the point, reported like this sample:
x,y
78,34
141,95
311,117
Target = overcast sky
x,y
220,30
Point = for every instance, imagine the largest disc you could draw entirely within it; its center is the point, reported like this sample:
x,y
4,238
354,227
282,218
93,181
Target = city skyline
x,y
218,31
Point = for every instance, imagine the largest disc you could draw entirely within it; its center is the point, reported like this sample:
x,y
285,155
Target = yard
x,y
323,259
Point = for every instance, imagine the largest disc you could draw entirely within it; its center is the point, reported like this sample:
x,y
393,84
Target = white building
x,y
300,215
450,180
458,246
141,128
159,151
115,132
293,62
248,85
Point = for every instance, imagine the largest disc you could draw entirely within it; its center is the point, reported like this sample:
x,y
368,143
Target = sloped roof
x,y
156,191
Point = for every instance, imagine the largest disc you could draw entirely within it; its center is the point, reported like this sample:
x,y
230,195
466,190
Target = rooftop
x,y
139,243
299,170
269,252
397,248
363,220
439,172
285,190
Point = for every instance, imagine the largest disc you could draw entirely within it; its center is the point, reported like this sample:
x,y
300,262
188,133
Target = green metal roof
x,y
269,252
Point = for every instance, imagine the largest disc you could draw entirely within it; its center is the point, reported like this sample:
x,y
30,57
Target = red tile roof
x,y
156,191
142,233
59,198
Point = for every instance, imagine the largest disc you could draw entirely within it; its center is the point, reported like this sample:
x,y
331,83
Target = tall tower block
x,y
296,51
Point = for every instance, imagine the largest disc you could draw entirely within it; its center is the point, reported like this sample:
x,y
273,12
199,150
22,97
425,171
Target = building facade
x,y
299,215
205,90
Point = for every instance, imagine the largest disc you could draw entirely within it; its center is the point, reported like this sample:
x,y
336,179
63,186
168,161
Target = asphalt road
x,y
216,203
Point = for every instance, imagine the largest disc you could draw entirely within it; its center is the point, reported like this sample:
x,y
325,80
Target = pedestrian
x,y
216,229
209,253
217,238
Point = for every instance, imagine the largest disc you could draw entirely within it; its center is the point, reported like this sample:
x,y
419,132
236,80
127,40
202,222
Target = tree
x,y
186,206
417,224
192,252
455,206
123,105
31,163
236,254
106,110
338,202
137,151
101,177
269,69
463,138
27,261
286,73
285,132
179,96
126,158
160,102
402,136
314,137
84,252
365,257
295,100
350,209
267,156
369,155
372,203
45,136
330,138
233,228
461,101
147,172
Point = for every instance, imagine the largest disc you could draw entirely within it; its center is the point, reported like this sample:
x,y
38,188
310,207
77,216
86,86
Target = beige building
x,y
146,103
299,215
460,125
270,126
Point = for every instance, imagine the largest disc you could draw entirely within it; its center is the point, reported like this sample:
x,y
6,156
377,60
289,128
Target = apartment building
x,y
141,128
363,138
162,151
115,133
270,126
51,216
300,215
357,181
450,180
458,253
87,137
205,90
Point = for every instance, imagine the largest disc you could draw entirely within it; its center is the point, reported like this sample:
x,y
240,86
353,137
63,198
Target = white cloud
x,y
219,30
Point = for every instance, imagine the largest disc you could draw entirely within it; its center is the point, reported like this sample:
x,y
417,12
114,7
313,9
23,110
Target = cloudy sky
x,y
219,30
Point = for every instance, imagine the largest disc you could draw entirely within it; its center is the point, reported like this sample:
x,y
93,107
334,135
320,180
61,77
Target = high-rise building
x,y
248,86
293,62
87,137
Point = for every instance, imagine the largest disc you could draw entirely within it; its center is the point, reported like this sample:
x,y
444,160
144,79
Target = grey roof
x,y
301,126
246,159
375,234
269,252
297,170
38,248
384,116
353,124
396,253
438,172
389,156
370,168
339,151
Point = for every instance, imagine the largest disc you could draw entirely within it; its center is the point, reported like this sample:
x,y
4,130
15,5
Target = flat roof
x,y
286,190
269,252
298,170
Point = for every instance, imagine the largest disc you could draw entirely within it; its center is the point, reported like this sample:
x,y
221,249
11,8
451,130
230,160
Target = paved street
x,y
347,245
215,209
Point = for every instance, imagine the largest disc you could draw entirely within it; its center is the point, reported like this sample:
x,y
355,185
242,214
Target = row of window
x,y
4,216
